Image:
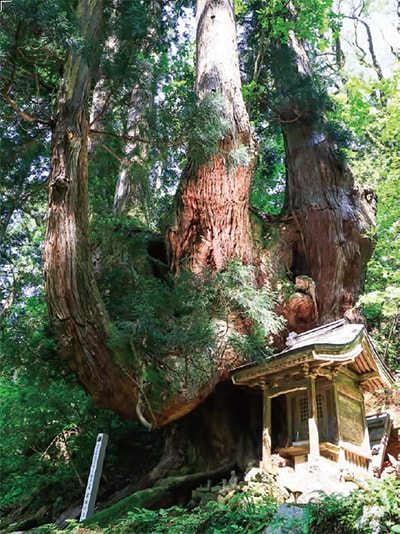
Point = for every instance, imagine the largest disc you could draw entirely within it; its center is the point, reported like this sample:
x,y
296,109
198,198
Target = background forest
x,y
145,118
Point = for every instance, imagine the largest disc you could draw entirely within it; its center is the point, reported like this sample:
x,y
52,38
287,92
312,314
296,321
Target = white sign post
x,y
93,482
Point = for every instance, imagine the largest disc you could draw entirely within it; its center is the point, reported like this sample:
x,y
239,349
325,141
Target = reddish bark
x,y
212,218
329,218
328,231
212,211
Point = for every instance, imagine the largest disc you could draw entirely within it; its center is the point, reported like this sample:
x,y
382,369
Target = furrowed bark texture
x,y
211,217
330,223
330,216
75,307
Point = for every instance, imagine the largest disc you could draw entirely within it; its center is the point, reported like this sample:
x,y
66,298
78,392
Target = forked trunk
x,y
75,306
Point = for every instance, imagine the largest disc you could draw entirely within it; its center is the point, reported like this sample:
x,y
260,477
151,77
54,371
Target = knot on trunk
x,y
59,188
74,139
301,309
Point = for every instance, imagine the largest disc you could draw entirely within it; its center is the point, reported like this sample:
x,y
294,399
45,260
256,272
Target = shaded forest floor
x,y
138,493
207,503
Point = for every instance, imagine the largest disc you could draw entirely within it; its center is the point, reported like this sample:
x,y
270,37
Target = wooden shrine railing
x,y
347,455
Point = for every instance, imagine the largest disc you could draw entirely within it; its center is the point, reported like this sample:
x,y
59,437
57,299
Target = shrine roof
x,y
337,334
337,344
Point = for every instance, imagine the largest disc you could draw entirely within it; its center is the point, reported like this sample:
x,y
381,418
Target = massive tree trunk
x,y
327,234
212,209
75,307
329,239
216,201
212,220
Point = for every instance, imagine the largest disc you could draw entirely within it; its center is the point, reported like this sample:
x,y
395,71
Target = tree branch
x,y
395,51
122,161
371,48
24,115
133,138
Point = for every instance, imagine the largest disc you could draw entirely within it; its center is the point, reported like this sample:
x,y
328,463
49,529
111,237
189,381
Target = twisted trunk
x,y
330,217
75,307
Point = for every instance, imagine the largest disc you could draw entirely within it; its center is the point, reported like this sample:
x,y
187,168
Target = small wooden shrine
x,y
313,403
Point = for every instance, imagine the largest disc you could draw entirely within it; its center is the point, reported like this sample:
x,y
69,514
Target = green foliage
x,y
115,513
164,318
385,303
206,123
236,294
370,108
240,514
376,509
171,330
48,423
308,19
268,182
155,317
41,406
373,510
33,46
238,157
173,121
209,124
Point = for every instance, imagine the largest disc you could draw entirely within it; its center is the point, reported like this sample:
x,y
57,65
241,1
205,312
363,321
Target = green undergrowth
x,y
124,507
241,514
374,510
171,332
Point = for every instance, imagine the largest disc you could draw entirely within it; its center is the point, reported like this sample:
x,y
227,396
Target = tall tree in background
x,y
133,189
127,80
